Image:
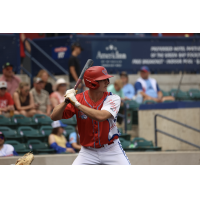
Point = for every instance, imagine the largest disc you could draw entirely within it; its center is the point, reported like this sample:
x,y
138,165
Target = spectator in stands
x,y
57,140
8,76
74,65
128,89
6,101
41,97
6,149
57,97
22,37
24,101
116,88
149,87
75,140
45,76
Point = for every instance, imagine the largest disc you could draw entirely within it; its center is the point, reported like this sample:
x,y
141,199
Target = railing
x,y
47,56
177,138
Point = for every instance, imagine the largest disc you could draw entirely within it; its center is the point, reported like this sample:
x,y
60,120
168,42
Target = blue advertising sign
x,y
111,54
60,52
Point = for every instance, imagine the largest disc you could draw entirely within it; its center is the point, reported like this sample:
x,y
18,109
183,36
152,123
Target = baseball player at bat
x,y
96,112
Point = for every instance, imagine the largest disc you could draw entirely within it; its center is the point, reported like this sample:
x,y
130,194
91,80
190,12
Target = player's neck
x,y
1,146
95,96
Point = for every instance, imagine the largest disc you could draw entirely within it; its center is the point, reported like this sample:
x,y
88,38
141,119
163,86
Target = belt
x,y
103,145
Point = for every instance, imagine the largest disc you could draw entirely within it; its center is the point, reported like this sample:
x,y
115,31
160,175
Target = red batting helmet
x,y
94,74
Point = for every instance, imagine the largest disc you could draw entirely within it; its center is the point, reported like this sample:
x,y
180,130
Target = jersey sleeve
x,y
68,112
158,89
112,104
138,86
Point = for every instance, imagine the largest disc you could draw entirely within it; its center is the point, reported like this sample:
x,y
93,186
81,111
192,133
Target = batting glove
x,y
71,91
73,100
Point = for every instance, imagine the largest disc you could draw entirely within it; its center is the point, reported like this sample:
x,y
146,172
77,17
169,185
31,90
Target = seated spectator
x,y
57,97
6,101
41,97
6,149
24,102
116,88
149,87
45,76
8,76
75,140
57,140
128,89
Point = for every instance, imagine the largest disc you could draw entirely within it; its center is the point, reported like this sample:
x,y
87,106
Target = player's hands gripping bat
x,y
88,64
25,160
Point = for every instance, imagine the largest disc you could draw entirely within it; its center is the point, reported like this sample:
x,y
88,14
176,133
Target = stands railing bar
x,y
177,138
26,71
47,56
40,65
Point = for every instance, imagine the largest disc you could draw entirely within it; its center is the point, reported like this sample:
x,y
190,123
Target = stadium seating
x,y
46,131
29,133
41,119
39,147
194,94
20,148
149,102
67,130
5,121
165,93
70,121
22,120
124,143
10,134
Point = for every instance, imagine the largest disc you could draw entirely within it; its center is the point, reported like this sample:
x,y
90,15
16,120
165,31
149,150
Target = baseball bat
x,y
88,64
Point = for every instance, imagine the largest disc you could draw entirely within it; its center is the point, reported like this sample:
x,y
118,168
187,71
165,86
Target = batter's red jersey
x,y
93,133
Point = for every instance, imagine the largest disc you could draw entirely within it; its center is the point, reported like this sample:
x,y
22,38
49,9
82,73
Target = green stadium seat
x,y
140,144
20,148
5,121
29,133
42,119
46,131
168,101
194,94
22,120
149,102
10,134
165,94
70,121
67,130
124,142
125,136
39,147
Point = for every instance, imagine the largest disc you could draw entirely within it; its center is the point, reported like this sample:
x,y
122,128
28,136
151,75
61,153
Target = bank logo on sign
x,y
112,53
111,47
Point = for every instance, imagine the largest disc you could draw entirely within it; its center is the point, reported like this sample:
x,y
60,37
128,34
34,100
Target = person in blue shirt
x,y
75,140
128,88
148,87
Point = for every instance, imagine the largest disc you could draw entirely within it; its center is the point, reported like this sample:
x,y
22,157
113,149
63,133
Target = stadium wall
x,y
136,158
188,116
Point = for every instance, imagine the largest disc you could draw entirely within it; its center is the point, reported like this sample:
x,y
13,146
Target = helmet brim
x,y
103,77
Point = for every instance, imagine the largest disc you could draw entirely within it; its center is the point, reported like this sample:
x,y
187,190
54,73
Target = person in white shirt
x,y
6,149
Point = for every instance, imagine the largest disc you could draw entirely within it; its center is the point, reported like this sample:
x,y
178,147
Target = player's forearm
x,y
58,111
97,115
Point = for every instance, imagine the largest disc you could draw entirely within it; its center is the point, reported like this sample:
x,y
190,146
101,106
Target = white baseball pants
x,y
112,154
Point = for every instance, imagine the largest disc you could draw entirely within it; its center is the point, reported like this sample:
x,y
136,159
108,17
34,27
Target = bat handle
x,y
77,83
